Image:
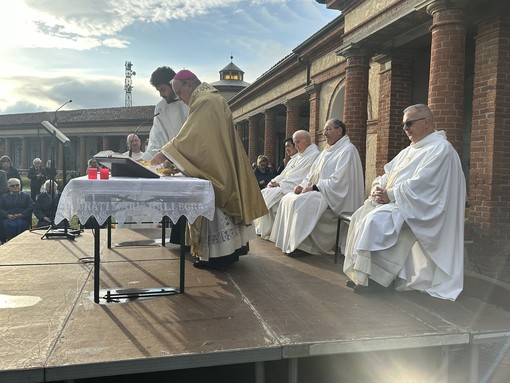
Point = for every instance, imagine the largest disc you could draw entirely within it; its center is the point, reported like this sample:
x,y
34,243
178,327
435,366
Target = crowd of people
x,y
17,208
407,234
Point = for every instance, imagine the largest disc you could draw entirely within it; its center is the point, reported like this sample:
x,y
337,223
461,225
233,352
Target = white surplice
x,y
295,170
165,126
134,156
419,235
222,236
308,221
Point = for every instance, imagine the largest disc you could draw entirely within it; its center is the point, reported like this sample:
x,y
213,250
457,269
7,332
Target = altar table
x,y
136,199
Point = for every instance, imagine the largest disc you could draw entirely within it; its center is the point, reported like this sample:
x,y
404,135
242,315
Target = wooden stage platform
x,y
270,313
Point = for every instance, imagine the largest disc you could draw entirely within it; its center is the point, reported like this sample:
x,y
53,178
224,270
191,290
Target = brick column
x,y
25,162
83,160
252,139
395,92
356,96
292,117
105,143
241,131
45,150
313,91
489,177
270,136
7,149
447,61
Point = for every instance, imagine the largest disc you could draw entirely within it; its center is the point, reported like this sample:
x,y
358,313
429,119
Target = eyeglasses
x,y
14,186
410,123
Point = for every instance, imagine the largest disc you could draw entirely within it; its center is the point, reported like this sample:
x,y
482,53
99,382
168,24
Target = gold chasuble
x,y
208,147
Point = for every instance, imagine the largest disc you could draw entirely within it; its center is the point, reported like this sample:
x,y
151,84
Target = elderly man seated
x,y
410,230
46,204
15,211
295,170
306,219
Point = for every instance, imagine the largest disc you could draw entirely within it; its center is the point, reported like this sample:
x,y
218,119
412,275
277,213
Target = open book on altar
x,y
123,166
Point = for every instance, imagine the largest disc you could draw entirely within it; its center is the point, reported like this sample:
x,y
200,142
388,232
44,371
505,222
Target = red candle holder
x,y
92,173
104,173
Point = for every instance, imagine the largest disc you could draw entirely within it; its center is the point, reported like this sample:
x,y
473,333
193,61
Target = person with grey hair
x,y
37,175
410,231
46,204
263,171
15,211
9,169
133,144
295,170
306,219
208,147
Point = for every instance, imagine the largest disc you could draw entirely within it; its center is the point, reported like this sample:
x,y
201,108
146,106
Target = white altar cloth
x,y
136,199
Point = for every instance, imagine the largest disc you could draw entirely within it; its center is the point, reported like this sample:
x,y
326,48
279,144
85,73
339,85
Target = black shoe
x,y
207,266
350,284
202,265
372,288
297,254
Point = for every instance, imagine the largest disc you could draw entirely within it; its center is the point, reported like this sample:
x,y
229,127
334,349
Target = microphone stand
x,y
135,132
53,230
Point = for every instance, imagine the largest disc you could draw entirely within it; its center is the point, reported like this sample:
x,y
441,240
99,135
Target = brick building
x,y
380,56
364,67
23,137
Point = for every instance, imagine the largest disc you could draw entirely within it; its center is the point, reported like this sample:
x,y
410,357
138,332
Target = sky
x,y
56,50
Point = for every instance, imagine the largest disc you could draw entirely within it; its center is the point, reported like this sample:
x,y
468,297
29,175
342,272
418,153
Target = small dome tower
x,y
231,80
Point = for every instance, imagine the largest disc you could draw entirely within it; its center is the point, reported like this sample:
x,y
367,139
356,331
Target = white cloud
x,y
55,50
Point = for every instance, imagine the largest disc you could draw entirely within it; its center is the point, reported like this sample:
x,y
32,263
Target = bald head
x,y
302,140
421,109
418,122
134,143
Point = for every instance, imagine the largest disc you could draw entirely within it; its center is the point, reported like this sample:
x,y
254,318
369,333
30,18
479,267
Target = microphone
x,y
57,133
60,107
136,131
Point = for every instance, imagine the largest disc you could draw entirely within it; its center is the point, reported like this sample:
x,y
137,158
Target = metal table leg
x,y
115,297
97,261
182,256
164,222
293,370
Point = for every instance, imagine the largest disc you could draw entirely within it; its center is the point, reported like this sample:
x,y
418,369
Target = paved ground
x,y
268,308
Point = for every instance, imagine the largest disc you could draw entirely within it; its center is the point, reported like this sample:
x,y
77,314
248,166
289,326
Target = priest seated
x,y
306,219
302,154
410,231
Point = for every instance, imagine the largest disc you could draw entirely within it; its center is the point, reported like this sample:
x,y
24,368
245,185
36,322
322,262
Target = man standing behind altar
x,y
295,170
133,144
171,112
208,147
306,219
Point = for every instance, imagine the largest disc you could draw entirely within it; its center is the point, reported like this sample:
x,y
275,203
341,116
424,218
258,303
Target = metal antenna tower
x,y
128,85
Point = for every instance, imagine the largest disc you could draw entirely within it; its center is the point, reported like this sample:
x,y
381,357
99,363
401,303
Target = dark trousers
x,y
12,227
